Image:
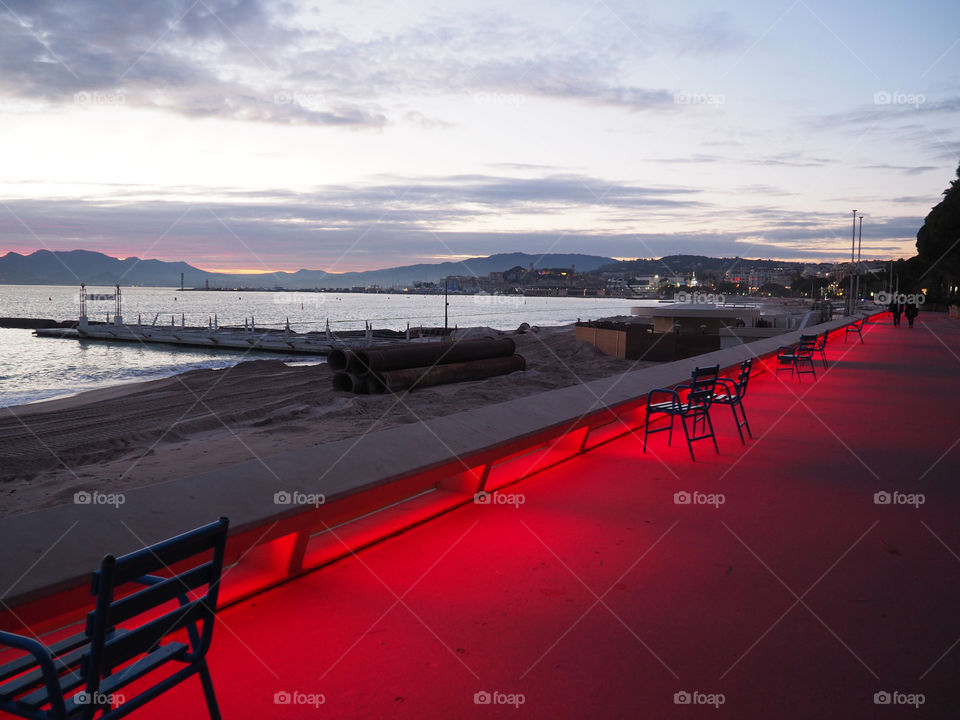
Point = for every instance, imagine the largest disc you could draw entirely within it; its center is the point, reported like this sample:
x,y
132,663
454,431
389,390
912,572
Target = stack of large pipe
x,y
404,367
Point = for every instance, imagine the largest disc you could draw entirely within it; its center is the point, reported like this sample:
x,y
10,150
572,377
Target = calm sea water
x,y
33,368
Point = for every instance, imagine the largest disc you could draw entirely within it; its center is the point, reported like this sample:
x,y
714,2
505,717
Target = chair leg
x,y
646,431
670,433
208,692
736,420
713,435
746,423
683,423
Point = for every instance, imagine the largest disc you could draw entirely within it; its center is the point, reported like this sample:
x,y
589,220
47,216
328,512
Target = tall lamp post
x,y
853,247
446,307
859,245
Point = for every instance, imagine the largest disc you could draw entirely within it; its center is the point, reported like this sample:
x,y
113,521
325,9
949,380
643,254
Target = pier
x,y
231,338
213,336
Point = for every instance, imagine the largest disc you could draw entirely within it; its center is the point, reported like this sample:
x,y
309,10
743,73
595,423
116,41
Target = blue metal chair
x,y
731,392
90,672
798,358
819,345
686,401
855,328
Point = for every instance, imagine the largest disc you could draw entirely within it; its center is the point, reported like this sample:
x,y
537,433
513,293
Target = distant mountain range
x,y
44,267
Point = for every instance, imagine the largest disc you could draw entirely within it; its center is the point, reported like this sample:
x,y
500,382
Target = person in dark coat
x,y
896,309
911,311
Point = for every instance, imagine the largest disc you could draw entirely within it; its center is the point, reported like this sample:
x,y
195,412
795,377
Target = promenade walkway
x,y
593,593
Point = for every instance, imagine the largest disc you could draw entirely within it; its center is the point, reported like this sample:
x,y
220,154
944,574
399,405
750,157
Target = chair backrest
x,y
743,377
703,384
198,558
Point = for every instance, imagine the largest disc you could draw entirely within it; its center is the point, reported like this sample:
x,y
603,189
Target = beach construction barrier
x,y
378,370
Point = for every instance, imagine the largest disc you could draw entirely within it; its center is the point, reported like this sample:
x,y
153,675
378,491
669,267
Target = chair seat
x,y
64,662
118,680
74,681
26,662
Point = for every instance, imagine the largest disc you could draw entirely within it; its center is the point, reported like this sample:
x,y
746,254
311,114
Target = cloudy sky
x,y
245,135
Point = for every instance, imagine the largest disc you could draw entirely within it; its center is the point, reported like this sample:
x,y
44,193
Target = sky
x,y
255,136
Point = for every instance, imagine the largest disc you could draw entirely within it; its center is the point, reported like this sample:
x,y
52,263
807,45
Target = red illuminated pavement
x,y
599,596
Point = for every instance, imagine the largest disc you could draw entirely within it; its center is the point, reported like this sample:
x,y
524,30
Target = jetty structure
x,y
248,337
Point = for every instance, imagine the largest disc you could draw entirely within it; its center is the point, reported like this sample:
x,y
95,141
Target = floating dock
x,y
251,338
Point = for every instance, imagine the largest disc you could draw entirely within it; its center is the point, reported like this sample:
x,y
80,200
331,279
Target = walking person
x,y
896,309
912,310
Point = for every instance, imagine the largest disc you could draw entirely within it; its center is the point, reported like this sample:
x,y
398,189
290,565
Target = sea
x,y
34,369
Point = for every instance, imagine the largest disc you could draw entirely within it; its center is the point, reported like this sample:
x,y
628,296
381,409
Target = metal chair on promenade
x,y
856,328
691,402
731,392
819,344
92,671
798,358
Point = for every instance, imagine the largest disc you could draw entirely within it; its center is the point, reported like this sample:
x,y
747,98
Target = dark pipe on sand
x,y
427,354
413,378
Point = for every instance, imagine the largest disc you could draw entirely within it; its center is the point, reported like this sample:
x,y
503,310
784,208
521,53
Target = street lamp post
x,y
859,245
446,307
853,247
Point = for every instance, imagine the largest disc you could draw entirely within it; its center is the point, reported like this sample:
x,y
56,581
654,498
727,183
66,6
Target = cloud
x,y
793,159
247,60
400,220
905,169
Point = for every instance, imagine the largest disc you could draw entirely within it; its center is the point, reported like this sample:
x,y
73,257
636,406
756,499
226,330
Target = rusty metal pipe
x,y
355,363
339,359
348,382
427,354
413,378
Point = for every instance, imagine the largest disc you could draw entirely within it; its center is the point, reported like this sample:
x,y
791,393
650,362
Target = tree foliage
x,y
938,245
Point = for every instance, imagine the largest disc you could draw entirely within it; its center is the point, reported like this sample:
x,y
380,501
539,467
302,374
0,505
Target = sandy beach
x,y
132,435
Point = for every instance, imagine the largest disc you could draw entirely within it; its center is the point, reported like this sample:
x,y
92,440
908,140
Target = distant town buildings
x,y
653,278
